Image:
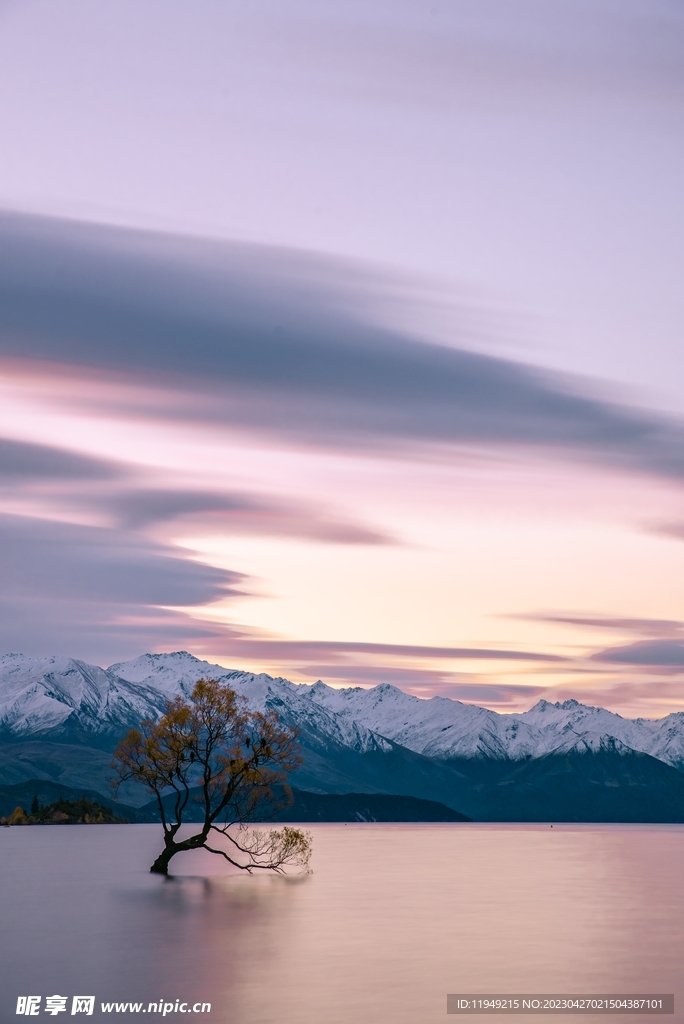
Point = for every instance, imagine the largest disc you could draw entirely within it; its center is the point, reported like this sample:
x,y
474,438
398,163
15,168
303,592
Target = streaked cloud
x,y
98,593
668,529
296,650
235,513
98,631
621,624
21,461
287,345
47,560
649,653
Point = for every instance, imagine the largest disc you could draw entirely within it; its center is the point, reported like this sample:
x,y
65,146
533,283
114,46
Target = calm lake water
x,y
392,918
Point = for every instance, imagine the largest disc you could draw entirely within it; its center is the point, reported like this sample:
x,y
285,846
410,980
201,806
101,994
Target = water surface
x,y
392,918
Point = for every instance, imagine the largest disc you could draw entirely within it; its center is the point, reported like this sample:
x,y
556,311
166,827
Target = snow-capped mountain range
x,y
54,697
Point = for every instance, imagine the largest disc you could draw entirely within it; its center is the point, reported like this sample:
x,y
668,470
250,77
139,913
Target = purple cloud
x,y
622,624
300,650
235,513
22,462
651,653
281,343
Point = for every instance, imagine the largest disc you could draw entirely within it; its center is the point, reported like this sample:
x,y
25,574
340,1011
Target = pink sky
x,y
314,367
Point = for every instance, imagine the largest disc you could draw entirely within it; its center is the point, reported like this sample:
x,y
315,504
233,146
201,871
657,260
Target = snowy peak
x,y
439,727
38,695
41,693
567,710
174,674
566,705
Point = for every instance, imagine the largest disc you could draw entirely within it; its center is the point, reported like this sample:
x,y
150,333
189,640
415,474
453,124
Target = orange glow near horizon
x,y
484,550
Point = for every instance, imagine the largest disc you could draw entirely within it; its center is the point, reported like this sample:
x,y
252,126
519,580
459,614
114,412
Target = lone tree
x,y
211,753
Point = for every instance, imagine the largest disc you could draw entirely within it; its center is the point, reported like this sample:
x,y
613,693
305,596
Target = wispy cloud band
x,y
283,343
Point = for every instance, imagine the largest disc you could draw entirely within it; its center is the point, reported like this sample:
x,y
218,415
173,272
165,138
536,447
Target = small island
x,y
64,812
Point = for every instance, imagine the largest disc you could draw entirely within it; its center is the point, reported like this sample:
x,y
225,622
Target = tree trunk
x,y
161,864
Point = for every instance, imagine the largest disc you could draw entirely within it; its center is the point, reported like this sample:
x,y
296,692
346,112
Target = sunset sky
x,y
346,341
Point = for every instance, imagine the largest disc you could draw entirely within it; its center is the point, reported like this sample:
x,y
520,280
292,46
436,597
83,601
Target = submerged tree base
x,y
161,865
252,849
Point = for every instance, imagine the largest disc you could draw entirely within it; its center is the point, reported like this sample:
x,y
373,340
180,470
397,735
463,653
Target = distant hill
x,y
609,784
311,807
365,807
61,718
306,807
